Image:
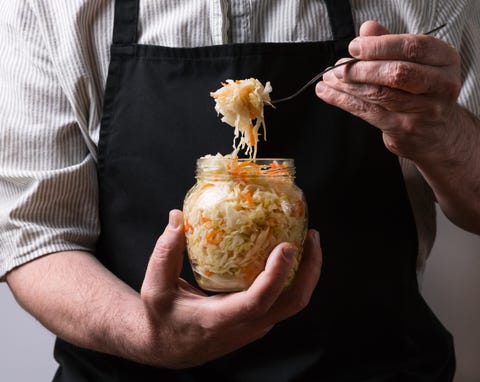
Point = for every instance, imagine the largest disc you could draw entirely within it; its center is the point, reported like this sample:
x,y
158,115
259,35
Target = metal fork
x,y
319,75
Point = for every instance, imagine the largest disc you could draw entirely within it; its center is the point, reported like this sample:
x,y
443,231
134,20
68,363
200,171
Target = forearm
x,y
79,300
170,323
453,171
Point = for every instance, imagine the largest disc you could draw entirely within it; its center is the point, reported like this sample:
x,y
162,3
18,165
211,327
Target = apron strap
x,y
341,20
125,22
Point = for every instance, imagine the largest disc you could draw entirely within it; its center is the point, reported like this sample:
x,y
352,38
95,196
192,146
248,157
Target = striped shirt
x,y
53,69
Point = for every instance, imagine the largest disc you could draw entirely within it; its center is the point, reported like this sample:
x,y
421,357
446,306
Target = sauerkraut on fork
x,y
241,102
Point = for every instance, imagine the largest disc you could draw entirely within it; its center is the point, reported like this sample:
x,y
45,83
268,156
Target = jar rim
x,y
261,166
289,161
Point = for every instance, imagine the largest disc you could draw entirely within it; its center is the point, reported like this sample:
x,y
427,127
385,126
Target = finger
x,y
373,28
372,113
165,262
308,272
384,96
266,288
270,283
407,76
298,295
417,48
347,101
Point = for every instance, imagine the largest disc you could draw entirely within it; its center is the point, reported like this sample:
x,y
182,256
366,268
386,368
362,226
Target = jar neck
x,y
219,167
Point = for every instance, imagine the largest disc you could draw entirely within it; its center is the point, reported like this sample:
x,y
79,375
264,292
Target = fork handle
x,y
313,80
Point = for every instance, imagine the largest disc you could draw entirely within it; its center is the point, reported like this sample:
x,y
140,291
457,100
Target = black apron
x,y
366,320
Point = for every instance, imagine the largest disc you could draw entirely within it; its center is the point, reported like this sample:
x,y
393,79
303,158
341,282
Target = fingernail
x,y
354,48
320,88
328,76
315,235
339,72
174,219
288,253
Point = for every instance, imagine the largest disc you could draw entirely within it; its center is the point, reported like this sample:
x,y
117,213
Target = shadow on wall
x,y
451,286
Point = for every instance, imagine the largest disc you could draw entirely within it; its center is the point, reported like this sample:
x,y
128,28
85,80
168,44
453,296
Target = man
x,y
63,156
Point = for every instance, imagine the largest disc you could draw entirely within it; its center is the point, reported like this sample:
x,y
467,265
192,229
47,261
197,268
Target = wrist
x,y
128,333
452,169
453,144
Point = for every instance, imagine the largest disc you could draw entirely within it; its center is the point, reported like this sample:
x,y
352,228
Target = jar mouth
x,y
245,166
266,160
260,161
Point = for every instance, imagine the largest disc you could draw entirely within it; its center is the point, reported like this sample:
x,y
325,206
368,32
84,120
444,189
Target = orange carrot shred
x,y
187,226
214,236
248,195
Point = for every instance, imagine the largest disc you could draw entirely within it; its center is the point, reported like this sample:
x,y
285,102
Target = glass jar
x,y
234,216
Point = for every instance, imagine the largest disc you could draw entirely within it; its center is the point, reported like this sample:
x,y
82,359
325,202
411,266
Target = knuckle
x,y
154,298
209,324
355,105
401,74
379,94
413,48
163,248
367,108
212,322
416,128
409,127
372,49
149,295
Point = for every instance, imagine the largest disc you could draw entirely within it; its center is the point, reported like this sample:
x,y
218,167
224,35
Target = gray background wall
x,y
451,286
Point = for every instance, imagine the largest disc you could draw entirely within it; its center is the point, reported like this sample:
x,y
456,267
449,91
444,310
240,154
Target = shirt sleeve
x,y
462,31
48,181
470,53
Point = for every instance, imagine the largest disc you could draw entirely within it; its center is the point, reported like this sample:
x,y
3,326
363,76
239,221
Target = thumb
x,y
373,28
165,262
368,28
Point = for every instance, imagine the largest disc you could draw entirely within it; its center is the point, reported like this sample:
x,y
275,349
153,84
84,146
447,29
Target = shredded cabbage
x,y
234,218
241,102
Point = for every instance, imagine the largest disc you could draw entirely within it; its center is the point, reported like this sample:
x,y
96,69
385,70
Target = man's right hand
x,y
187,328
170,323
